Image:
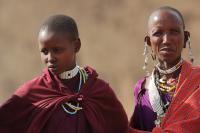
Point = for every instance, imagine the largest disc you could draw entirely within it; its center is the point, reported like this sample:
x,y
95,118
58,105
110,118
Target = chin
x,y
169,60
54,72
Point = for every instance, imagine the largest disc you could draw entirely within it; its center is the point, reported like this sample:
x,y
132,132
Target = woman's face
x,y
57,51
166,35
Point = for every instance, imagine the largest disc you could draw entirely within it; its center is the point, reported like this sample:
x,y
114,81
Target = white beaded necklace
x,y
170,70
70,105
70,74
76,108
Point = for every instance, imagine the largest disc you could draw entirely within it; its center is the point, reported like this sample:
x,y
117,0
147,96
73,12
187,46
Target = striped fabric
x,y
183,114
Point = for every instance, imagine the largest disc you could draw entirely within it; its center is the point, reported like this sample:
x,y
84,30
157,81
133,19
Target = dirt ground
x,y
111,32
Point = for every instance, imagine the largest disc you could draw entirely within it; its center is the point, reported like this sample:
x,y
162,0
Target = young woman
x,y
66,98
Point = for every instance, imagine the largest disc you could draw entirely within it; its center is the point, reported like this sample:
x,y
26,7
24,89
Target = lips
x,y
167,50
52,67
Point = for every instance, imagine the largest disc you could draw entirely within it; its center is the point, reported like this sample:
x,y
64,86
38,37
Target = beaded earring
x,y
153,58
191,57
145,54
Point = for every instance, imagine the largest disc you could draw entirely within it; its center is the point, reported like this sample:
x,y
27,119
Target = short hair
x,y
61,24
171,9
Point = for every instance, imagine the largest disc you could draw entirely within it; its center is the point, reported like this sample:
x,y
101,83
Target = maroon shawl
x,y
32,105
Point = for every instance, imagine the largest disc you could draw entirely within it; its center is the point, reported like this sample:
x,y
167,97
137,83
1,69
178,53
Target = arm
x,y
136,90
14,115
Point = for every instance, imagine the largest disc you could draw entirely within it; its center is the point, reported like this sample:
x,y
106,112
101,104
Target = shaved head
x,y
60,24
166,35
169,12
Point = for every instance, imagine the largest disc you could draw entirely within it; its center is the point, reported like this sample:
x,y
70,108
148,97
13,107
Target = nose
x,y
51,57
166,38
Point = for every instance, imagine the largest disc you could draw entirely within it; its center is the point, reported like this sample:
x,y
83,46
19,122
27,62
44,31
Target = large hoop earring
x,y
146,58
191,57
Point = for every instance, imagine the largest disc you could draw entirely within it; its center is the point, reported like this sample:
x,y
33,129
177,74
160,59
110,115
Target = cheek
x,y
43,58
155,46
179,49
67,57
180,44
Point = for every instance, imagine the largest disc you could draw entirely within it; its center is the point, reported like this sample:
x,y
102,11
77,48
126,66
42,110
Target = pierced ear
x,y
147,40
77,44
186,38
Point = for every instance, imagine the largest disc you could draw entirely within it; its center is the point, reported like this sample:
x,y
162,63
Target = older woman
x,y
168,99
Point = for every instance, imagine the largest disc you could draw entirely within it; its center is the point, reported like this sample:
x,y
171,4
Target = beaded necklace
x,y
69,74
164,87
164,107
69,107
170,70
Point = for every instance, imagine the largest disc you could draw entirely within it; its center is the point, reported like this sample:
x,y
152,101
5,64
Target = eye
x,y
174,31
44,51
157,33
58,50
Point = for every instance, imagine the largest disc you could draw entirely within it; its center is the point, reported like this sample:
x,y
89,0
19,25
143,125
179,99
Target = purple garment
x,y
143,117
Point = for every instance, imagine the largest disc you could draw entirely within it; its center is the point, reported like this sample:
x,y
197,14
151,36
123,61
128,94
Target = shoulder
x,y
28,86
97,86
196,70
188,70
102,85
195,76
102,82
138,86
93,75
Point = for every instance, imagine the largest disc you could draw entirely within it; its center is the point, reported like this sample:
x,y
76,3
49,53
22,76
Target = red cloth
x,y
183,114
31,108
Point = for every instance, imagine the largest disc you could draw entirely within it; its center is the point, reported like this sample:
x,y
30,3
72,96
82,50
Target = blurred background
x,y
111,31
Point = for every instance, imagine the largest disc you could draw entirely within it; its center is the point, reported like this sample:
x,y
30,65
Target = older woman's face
x,y
166,34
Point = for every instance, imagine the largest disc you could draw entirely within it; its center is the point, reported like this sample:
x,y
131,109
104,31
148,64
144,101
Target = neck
x,y
72,66
164,65
169,70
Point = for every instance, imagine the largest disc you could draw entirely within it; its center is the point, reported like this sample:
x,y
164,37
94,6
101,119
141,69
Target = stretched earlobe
x,y
186,38
187,43
147,40
145,54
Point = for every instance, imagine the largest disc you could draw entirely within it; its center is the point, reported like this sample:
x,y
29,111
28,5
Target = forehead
x,y
49,39
164,18
46,35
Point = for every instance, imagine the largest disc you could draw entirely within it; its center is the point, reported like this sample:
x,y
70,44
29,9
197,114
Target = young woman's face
x,y
57,51
166,34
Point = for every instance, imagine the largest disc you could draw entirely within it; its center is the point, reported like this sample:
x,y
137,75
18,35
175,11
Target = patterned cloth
x,y
183,114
